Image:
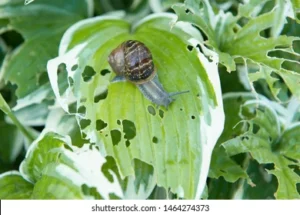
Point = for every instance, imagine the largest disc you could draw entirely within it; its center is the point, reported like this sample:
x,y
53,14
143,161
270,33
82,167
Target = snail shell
x,y
132,61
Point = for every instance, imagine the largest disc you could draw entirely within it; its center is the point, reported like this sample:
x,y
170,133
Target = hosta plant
x,y
69,132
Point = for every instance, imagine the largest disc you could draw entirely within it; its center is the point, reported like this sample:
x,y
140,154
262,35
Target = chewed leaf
x,y
241,39
53,165
122,121
262,135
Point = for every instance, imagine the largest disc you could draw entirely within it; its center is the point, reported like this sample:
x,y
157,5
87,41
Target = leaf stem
x,y
6,109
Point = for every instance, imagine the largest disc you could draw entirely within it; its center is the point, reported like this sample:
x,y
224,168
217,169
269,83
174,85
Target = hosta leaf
x,y
14,186
222,164
265,140
26,66
62,171
240,42
127,126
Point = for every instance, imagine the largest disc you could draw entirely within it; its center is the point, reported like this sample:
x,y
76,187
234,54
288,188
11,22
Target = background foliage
x,y
67,133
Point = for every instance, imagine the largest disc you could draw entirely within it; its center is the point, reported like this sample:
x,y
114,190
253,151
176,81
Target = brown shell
x,y
116,60
137,59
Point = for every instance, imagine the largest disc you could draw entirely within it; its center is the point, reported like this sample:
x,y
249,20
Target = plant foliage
x,y
68,132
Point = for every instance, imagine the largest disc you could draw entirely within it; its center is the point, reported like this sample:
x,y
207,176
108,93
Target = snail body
x,y
132,61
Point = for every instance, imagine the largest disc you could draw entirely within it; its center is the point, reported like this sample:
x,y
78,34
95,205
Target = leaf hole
x,y
71,81
269,166
244,138
66,146
118,122
255,128
72,108
281,47
291,159
74,67
161,113
43,78
266,33
296,45
127,143
61,68
151,110
108,167
81,109
292,66
88,73
282,54
104,72
84,123
90,191
129,129
193,117
101,96
155,140
115,137
181,109
190,48
100,124
199,48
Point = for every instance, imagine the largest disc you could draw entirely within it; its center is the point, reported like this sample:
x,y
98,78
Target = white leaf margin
x,y
88,162
210,132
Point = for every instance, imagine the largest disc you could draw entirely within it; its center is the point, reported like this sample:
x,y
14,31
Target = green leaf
x,y
13,186
62,171
264,138
25,65
156,136
222,164
240,42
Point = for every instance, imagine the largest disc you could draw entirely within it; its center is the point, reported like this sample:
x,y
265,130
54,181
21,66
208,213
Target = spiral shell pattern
x,y
139,66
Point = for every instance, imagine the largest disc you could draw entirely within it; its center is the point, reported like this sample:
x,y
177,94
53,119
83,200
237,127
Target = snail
x,y
132,61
